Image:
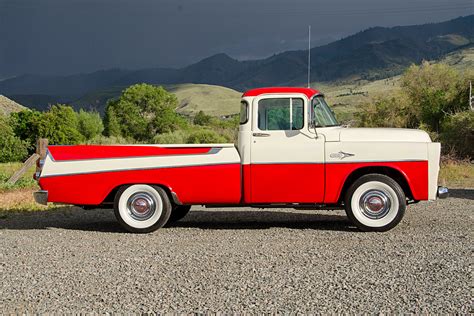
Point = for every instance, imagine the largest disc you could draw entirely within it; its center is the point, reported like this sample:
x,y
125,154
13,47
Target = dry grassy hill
x,y
8,106
213,100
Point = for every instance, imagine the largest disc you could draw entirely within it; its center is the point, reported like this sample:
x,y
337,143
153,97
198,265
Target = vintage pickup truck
x,y
291,152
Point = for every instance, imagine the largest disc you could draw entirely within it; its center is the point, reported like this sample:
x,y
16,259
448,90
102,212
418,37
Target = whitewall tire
x,y
375,202
142,208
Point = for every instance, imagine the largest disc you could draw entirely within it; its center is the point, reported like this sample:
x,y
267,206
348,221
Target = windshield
x,y
323,115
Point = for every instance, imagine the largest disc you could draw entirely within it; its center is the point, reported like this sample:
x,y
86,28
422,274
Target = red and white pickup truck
x,y
291,152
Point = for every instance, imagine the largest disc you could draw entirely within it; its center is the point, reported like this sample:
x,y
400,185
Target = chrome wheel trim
x,y
141,206
360,212
375,204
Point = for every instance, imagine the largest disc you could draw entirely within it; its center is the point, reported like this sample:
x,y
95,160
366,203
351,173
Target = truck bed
x,y
194,174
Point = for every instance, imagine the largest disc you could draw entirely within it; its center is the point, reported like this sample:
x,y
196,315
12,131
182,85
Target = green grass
x,y
25,182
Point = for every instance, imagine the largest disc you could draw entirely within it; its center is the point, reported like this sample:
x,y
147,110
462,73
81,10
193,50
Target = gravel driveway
x,y
72,260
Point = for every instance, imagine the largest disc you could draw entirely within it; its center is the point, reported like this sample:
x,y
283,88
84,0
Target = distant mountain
x,y
375,53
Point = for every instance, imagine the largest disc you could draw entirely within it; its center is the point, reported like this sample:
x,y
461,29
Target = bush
x,y
204,136
176,137
202,119
89,124
458,134
393,111
12,148
110,140
435,91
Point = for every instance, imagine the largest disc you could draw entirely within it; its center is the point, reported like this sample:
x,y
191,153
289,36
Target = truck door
x,y
286,158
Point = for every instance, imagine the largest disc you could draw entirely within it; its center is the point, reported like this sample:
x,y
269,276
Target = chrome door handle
x,y
261,134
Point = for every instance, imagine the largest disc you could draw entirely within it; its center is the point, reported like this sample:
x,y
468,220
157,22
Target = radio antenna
x,y
309,54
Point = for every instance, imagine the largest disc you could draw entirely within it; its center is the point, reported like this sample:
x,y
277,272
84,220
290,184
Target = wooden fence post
x,y
41,147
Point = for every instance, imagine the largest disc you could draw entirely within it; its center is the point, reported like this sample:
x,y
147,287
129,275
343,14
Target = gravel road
x,y
72,260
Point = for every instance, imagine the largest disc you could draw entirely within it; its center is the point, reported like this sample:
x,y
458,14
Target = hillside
x,y
8,106
213,100
373,54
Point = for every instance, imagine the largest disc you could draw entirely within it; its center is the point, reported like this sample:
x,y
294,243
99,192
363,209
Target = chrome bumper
x,y
41,197
442,193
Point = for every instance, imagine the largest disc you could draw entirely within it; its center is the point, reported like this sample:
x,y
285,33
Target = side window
x,y
280,114
244,112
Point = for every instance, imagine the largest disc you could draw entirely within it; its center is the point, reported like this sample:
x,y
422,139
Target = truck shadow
x,y
100,220
467,194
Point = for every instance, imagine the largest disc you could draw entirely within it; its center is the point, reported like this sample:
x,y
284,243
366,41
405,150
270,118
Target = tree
x,y
12,148
141,112
25,125
89,124
60,126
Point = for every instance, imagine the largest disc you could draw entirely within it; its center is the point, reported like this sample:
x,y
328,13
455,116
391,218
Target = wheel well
x,y
388,171
111,196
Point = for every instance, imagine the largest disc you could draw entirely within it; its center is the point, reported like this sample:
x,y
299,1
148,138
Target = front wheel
x,y
142,208
375,202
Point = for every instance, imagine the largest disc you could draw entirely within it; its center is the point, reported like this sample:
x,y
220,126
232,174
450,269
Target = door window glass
x,y
280,114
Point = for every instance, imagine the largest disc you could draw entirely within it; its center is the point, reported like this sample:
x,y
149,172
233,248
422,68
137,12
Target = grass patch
x,y
456,174
25,182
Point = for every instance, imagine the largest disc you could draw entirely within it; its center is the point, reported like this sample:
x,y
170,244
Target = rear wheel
x,y
375,202
142,208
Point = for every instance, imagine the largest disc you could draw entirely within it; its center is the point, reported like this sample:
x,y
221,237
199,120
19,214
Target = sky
x,y
76,36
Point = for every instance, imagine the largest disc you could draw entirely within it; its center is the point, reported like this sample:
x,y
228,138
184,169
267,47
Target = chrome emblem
x,y
341,155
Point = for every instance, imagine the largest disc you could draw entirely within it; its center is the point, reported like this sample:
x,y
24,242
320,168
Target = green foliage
x,y
12,148
110,140
111,124
176,137
26,125
392,111
458,133
202,119
141,112
434,90
205,136
60,126
89,124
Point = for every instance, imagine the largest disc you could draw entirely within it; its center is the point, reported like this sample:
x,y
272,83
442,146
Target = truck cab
x,y
291,152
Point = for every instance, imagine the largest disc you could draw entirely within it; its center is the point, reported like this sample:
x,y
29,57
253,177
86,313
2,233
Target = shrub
x,y
458,134
392,111
110,140
202,119
204,136
89,124
176,137
12,148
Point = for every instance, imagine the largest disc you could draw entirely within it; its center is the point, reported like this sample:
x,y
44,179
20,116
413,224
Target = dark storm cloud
x,y
69,36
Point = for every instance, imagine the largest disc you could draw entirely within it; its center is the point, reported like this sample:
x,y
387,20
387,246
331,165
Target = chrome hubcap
x,y
375,204
141,206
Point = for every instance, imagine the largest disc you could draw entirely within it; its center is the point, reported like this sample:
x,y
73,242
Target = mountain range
x,y
375,53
